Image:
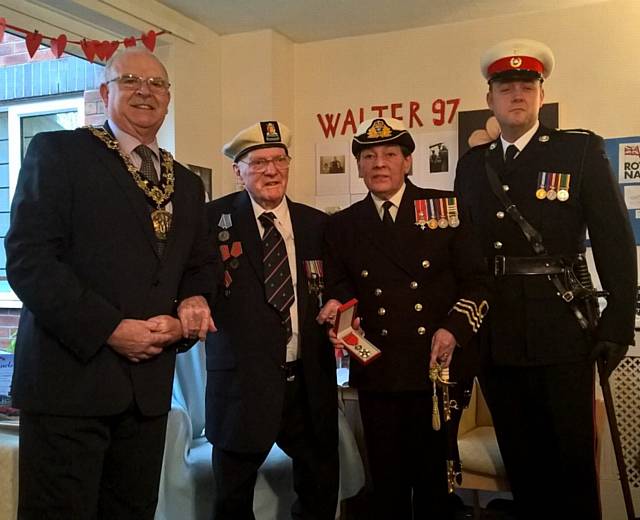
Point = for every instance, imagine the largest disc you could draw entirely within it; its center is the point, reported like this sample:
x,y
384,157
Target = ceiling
x,y
312,20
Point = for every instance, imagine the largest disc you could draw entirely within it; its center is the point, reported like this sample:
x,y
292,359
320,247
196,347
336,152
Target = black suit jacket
x,y
407,282
245,383
530,324
81,255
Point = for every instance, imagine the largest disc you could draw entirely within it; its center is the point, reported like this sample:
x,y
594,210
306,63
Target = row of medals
x,y
441,222
561,195
553,186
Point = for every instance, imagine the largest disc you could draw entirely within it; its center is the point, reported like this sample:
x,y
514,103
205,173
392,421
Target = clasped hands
x,y
139,340
443,343
610,353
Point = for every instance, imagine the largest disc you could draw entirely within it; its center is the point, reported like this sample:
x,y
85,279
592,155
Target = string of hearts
x,y
92,48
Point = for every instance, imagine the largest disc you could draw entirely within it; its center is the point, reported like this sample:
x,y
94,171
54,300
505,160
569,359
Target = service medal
x,y
563,195
541,193
552,195
223,236
454,221
563,192
432,223
161,223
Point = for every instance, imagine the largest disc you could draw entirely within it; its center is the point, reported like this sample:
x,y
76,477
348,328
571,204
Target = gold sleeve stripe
x,y
474,312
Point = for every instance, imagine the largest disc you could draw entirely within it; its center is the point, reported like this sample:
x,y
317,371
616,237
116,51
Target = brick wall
x,y
13,51
8,326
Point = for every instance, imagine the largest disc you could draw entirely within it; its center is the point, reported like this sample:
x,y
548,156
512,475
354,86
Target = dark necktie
x,y
387,219
277,274
510,156
146,167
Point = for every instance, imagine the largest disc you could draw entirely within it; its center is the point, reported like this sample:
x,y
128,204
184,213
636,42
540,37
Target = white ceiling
x,y
312,20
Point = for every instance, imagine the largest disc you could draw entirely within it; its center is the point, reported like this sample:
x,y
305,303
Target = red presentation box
x,y
359,348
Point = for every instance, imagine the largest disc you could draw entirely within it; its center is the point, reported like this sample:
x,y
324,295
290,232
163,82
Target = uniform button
x,y
377,292
505,187
421,331
500,214
382,311
364,273
384,332
418,307
497,245
413,285
426,264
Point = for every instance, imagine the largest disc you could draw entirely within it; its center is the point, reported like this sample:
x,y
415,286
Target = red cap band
x,y
515,63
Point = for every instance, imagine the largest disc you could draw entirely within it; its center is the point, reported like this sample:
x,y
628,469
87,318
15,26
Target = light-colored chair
x,y
482,466
187,481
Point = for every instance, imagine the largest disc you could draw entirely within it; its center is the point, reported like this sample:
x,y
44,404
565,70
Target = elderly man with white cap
x,y
271,370
407,255
532,195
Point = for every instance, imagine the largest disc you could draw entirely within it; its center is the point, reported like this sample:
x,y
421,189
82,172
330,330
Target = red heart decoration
x,y
3,24
101,49
111,47
130,41
58,44
89,49
33,41
149,40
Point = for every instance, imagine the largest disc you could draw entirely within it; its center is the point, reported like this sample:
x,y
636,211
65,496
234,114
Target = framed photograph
x,y
206,174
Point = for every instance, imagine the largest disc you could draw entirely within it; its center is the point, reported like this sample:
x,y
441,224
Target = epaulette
x,y
574,131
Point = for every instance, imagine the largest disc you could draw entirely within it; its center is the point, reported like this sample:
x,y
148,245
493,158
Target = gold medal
x,y
563,195
432,223
161,223
541,193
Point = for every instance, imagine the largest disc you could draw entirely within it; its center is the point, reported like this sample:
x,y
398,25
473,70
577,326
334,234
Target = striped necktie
x,y
277,273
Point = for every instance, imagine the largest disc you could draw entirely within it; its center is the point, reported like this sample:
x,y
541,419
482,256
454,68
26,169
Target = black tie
x,y
387,219
146,167
509,156
277,274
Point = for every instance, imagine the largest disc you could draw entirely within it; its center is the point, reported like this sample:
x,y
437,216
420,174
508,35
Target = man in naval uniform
x,y
540,381
408,256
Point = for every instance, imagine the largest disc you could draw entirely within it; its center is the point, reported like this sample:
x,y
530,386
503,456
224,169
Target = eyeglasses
x,y
281,163
133,82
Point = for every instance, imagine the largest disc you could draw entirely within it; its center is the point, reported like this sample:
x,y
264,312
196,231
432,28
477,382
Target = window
x,y
18,124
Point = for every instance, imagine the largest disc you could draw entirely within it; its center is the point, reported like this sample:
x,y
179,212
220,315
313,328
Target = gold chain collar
x,y
161,194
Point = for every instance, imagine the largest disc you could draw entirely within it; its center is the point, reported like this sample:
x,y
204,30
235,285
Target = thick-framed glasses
x,y
281,163
133,82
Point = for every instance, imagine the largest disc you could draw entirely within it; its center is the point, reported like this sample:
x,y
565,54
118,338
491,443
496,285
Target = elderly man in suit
x,y
407,254
103,270
271,370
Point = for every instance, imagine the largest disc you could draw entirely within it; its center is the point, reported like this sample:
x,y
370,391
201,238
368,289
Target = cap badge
x,y
270,131
543,138
379,129
515,62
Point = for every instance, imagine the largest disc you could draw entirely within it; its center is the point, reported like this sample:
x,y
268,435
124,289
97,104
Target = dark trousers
x,y
315,471
77,468
544,422
407,458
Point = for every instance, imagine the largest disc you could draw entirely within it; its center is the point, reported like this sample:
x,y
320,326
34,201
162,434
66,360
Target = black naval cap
x,y
517,59
381,130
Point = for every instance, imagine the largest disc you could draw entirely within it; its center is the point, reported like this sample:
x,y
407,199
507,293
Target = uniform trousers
x,y
87,468
544,421
315,471
407,458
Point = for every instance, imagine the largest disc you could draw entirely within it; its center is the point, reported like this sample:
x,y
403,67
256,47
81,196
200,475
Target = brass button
x,y
384,332
413,285
382,311
505,187
497,245
364,273
421,331
418,307
426,264
377,292
500,214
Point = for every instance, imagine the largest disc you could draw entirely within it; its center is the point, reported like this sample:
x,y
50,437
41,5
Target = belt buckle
x,y
499,265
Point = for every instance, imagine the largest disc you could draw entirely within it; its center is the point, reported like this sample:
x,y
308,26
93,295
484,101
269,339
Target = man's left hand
x,y
195,317
611,354
328,312
443,344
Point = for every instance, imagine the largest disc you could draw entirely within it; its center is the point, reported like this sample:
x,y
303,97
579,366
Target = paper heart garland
x,y
149,40
33,41
111,48
58,44
89,49
130,41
